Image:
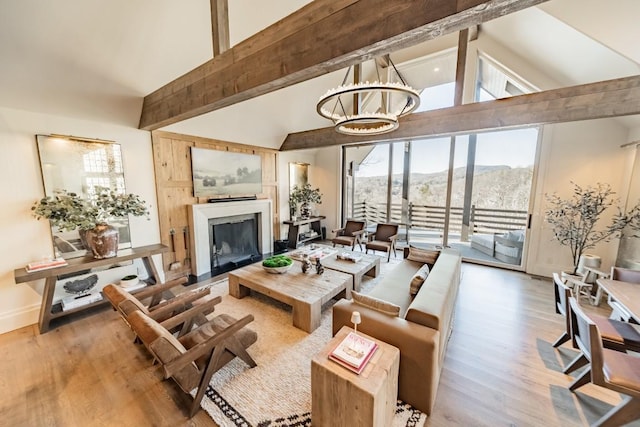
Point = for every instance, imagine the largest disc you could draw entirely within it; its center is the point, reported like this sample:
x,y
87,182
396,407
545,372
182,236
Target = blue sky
x,y
515,148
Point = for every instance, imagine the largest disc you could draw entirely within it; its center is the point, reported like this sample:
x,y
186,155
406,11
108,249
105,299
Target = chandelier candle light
x,y
397,99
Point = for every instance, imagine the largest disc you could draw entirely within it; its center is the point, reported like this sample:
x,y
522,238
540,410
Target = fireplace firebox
x,y
204,257
233,241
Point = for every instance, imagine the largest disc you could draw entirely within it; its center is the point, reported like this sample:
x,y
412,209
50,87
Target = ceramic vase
x,y
102,241
305,210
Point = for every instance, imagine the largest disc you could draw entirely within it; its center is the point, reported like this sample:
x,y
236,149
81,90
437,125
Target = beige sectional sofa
x,y
421,330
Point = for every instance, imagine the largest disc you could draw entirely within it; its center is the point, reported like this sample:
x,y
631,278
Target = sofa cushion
x,y
375,304
394,286
418,279
424,256
434,302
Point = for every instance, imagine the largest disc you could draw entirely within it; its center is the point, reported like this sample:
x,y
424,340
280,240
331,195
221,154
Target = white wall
x,y
24,238
284,158
328,172
324,173
585,153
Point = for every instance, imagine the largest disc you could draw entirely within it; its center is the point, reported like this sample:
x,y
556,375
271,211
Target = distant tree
x,y
425,191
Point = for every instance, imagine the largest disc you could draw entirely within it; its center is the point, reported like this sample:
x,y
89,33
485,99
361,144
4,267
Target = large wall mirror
x,y
79,165
298,174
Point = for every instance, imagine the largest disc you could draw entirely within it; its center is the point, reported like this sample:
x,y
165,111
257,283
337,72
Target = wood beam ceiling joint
x,y
321,37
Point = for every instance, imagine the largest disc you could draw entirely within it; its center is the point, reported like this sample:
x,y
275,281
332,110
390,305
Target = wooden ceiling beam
x,y
323,36
220,26
610,98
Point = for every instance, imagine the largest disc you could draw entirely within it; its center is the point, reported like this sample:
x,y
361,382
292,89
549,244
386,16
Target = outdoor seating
x,y
508,246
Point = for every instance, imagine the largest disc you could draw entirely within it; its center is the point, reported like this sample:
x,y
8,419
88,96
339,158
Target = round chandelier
x,y
364,108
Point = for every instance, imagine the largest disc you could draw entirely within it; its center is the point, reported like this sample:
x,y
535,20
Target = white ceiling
x,y
96,60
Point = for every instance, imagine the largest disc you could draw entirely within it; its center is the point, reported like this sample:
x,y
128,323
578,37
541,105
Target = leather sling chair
x,y
192,359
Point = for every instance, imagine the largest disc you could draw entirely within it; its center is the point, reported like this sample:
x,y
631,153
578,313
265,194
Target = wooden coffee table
x,y
306,293
367,264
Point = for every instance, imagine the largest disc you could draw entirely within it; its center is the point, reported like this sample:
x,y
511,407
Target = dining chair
x,y
623,275
562,293
350,234
615,335
191,360
613,370
384,239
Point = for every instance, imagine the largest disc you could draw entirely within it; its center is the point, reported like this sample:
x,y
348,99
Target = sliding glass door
x,y
489,185
466,191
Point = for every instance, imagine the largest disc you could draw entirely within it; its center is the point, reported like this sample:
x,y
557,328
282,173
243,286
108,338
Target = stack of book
x,y
349,256
45,264
354,352
80,300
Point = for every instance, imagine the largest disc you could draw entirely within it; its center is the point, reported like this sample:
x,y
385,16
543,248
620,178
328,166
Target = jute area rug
x,y
277,392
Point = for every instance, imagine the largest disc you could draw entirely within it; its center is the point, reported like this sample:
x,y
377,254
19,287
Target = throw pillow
x,y
375,304
424,256
418,279
515,235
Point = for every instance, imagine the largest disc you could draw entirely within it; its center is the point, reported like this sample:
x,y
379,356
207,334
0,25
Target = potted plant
x,y
574,220
304,195
69,211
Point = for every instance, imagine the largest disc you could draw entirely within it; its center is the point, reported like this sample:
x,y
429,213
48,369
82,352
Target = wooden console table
x,y
79,264
295,239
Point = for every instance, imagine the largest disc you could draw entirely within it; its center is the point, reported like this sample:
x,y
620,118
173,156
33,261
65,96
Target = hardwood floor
x,y
500,368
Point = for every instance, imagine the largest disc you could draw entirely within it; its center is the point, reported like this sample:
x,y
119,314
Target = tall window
x,y
407,182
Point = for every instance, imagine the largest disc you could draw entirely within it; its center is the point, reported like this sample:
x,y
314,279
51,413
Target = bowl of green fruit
x,y
277,264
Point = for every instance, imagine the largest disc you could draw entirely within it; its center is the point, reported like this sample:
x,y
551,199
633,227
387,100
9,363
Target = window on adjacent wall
x,y
99,167
495,82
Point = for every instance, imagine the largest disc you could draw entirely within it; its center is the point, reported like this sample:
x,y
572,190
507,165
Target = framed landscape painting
x,y
223,173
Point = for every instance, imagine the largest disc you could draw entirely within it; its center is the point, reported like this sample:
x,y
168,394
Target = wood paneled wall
x,y
174,187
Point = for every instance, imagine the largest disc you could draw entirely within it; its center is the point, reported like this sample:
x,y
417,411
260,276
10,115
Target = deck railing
x,y
431,218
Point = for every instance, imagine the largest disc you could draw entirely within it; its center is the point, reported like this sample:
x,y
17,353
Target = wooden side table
x,y
340,397
295,238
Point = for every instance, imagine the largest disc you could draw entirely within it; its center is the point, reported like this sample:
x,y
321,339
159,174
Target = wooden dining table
x,y
624,294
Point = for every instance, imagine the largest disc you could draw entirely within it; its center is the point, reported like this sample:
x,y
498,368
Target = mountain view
x,y
501,187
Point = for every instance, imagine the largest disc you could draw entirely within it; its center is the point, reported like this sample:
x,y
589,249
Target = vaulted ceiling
x,y
96,60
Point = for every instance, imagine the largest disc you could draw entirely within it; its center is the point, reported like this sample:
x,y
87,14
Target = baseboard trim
x,y
19,318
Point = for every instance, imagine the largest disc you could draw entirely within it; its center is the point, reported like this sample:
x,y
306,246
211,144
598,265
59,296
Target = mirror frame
x,y
77,165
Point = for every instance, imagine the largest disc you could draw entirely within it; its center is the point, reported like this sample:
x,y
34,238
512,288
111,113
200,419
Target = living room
x,y
586,152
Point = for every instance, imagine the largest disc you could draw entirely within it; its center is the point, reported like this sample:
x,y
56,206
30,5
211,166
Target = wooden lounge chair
x,y
162,305
384,239
350,234
192,359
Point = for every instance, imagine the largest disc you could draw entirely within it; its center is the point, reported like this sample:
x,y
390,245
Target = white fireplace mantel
x,y
199,216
